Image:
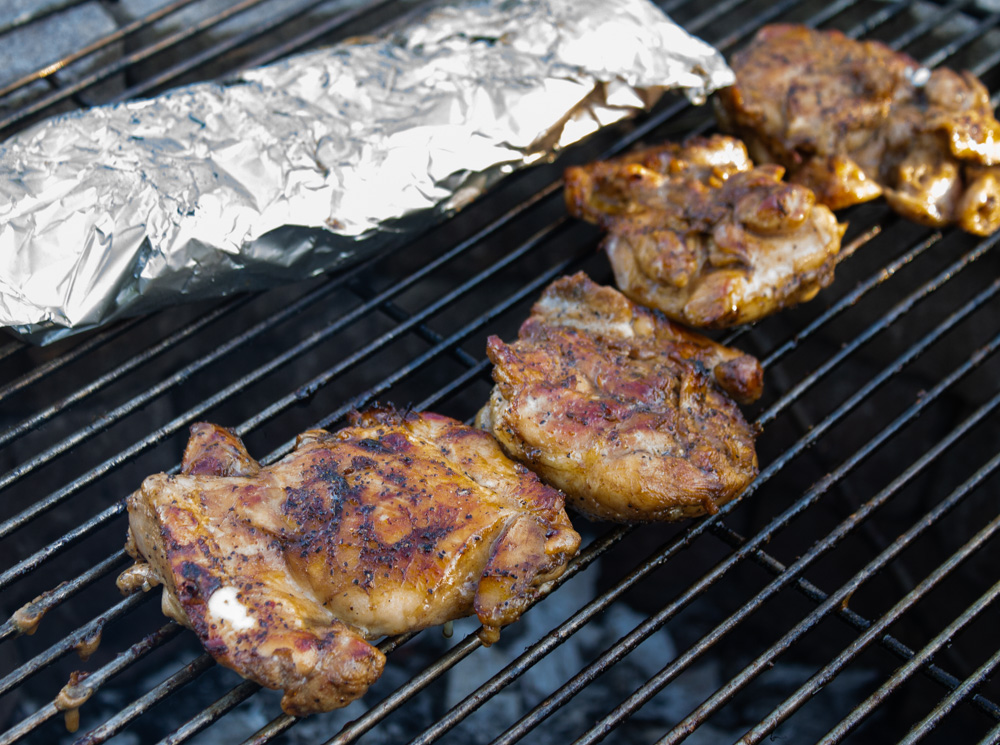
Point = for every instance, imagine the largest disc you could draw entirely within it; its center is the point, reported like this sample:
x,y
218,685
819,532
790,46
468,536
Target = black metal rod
x,y
32,16
140,706
11,347
209,714
897,311
65,403
69,642
906,671
855,620
70,355
839,598
40,104
830,670
50,599
848,300
982,673
95,46
992,738
94,680
926,24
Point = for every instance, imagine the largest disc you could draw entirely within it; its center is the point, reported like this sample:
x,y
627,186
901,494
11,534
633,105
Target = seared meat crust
x,y
396,523
853,119
695,230
620,408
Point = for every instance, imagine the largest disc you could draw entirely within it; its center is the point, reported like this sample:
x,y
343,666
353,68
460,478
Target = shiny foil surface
x,y
312,163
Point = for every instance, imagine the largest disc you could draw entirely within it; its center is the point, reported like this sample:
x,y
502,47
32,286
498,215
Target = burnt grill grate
x,y
862,555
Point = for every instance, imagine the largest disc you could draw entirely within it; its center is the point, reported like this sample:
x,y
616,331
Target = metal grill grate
x,y
847,596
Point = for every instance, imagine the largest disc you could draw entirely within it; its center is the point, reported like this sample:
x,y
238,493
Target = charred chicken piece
x,y
695,230
396,523
853,119
620,408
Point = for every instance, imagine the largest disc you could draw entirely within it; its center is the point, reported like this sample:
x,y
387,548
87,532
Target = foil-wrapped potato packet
x,y
312,163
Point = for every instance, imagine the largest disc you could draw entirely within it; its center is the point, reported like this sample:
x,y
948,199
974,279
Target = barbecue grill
x,y
847,596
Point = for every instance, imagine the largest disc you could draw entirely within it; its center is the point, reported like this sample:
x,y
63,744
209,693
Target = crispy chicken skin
x,y
695,230
620,408
853,120
398,522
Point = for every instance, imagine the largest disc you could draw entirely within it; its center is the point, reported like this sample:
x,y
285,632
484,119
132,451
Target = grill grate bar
x,y
953,46
50,599
859,622
69,538
863,710
115,375
830,670
96,46
952,700
305,39
71,355
11,347
864,27
95,680
684,729
70,641
221,48
425,332
763,535
118,722
915,32
848,300
838,600
45,102
28,17
992,738
209,714
898,310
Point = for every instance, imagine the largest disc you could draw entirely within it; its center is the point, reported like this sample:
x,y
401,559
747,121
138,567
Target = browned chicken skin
x,y
399,522
622,409
853,120
696,231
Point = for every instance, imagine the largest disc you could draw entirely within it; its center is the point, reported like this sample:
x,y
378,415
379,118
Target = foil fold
x,y
315,162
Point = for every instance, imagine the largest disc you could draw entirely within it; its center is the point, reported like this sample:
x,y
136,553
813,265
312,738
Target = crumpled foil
x,y
312,163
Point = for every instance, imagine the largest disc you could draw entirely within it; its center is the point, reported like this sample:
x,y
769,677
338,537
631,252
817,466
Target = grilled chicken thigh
x,y
695,230
853,119
623,410
396,523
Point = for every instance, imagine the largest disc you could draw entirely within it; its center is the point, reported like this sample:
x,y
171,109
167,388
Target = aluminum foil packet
x,y
307,165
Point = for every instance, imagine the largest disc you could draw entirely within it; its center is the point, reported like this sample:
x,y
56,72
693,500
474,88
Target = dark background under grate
x,y
847,596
